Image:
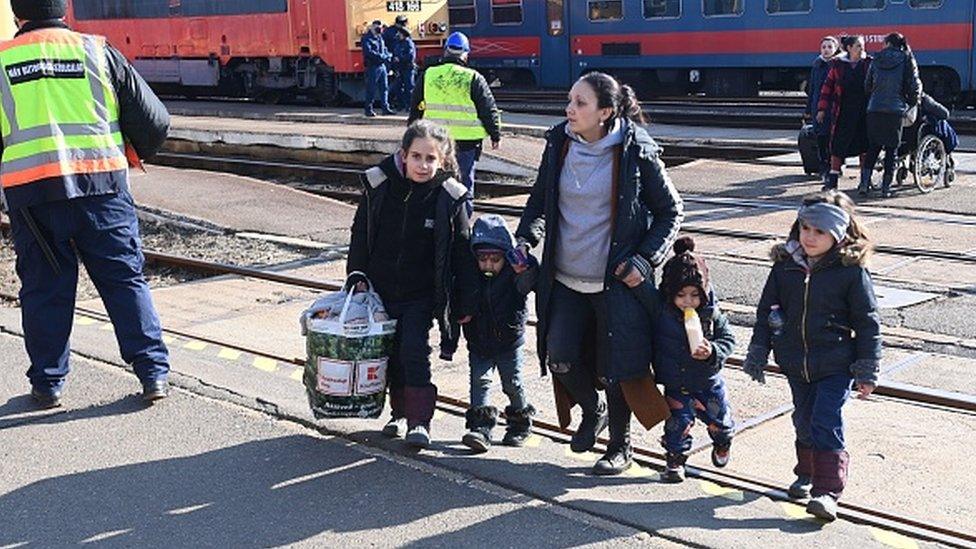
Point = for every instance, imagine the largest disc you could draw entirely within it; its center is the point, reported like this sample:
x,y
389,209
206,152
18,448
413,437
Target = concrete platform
x,y
197,471
222,465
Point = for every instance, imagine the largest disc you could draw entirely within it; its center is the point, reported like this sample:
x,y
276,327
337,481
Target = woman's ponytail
x,y
629,105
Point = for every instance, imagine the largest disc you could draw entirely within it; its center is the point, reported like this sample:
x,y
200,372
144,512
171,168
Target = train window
x,y
922,4
856,5
554,14
462,13
606,10
654,9
718,8
506,12
787,6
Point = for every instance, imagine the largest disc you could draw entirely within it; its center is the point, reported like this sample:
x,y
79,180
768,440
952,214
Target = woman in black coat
x,y
893,86
609,214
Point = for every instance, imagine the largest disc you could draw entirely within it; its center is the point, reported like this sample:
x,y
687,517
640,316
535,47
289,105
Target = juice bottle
x,y
693,328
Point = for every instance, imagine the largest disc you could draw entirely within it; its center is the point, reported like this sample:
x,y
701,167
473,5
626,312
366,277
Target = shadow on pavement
x,y
267,493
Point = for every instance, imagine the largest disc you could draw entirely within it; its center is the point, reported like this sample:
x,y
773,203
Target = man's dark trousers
x,y
103,232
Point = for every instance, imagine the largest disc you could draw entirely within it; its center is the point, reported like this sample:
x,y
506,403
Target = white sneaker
x,y
419,437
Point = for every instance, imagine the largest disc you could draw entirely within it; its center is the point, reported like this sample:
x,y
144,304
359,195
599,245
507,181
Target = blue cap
x,y
489,231
457,43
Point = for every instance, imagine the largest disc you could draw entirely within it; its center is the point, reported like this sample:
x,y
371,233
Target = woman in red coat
x,y
843,95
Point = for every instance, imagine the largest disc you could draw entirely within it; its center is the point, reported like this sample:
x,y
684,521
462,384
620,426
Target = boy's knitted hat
x,y
490,233
684,269
39,10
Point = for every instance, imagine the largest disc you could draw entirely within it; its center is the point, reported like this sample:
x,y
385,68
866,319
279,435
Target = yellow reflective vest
x,y
60,114
447,101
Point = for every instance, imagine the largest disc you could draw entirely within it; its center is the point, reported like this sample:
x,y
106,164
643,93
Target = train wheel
x,y
931,163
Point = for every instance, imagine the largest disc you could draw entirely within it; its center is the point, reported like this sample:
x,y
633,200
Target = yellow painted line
x,y
716,490
195,345
534,441
229,354
298,374
585,456
439,415
85,320
893,539
265,364
639,471
795,511
107,327
168,339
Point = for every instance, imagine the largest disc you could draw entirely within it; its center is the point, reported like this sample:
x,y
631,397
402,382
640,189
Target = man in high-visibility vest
x,y
458,97
74,116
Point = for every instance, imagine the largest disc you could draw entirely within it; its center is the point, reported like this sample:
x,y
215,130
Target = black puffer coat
x,y
455,279
647,215
892,82
674,366
831,318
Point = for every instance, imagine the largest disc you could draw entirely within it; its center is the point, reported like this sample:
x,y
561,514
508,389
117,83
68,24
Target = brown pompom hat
x,y
684,269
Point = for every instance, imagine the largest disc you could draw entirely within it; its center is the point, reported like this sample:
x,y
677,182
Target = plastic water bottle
x,y
693,328
776,320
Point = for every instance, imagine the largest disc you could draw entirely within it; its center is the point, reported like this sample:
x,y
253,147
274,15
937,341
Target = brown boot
x,y
800,489
419,409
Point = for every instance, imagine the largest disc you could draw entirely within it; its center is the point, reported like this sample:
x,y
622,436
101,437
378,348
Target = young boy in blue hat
x,y
496,333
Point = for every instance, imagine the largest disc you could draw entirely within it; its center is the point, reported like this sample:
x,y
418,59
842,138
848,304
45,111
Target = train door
x,y
556,70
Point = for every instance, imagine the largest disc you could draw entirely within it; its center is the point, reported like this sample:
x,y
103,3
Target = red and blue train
x,y
719,47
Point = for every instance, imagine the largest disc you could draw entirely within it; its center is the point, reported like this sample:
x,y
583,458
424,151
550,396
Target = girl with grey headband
x,y
819,316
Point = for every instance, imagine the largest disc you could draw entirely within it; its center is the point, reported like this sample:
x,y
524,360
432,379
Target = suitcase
x,y
809,151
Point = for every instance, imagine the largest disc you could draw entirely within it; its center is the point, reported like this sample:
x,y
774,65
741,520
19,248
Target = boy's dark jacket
x,y
673,365
647,214
455,279
831,317
498,325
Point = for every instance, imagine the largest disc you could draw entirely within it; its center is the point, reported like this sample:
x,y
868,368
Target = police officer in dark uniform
x,y
405,64
376,57
71,128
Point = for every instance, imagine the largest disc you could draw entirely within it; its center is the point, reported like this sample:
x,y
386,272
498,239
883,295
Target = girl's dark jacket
x,y
818,74
673,365
646,216
455,280
831,318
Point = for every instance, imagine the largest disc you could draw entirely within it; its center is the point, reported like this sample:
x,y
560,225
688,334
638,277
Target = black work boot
x,y
865,185
831,181
479,422
889,174
619,456
519,425
579,384
593,423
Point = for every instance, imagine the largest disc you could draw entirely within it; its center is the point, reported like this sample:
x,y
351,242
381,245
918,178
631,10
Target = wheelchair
x,y
923,155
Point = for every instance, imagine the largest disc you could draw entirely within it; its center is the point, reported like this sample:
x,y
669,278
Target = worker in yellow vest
x,y
458,97
73,116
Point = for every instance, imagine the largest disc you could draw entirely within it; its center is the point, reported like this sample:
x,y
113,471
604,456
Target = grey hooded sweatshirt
x,y
585,206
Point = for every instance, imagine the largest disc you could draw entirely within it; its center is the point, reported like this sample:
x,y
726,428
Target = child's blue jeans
x,y
817,409
509,366
711,406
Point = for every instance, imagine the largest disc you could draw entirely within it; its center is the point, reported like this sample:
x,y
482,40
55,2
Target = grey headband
x,y
826,217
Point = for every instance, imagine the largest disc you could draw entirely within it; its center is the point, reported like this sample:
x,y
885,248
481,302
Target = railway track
x,y
345,176
852,512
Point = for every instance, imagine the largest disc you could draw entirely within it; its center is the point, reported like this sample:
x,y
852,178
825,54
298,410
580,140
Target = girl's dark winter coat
x,y
646,217
818,74
455,279
673,365
498,325
831,317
